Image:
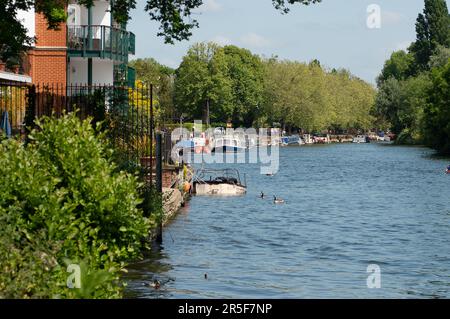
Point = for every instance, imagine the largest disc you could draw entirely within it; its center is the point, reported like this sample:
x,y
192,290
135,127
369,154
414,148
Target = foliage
x,y
400,66
437,111
406,99
149,71
433,29
401,103
306,96
202,79
239,86
62,201
245,74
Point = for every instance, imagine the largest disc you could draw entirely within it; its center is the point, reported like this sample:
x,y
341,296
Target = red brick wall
x,y
49,59
49,38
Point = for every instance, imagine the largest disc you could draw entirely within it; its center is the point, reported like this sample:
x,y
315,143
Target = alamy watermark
x,y
374,279
373,16
74,279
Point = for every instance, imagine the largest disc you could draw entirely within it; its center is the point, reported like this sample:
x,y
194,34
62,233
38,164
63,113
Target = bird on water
x,y
278,200
156,284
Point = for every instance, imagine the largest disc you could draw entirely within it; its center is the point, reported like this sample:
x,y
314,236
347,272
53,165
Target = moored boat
x,y
291,140
361,139
226,182
228,144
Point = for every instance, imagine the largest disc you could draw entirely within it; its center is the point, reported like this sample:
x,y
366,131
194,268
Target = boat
x,y
291,140
307,139
228,144
448,170
361,139
219,182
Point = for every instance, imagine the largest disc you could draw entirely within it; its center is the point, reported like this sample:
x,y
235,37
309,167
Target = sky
x,y
335,32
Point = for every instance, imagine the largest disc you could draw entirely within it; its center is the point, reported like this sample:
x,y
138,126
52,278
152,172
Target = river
x,y
347,206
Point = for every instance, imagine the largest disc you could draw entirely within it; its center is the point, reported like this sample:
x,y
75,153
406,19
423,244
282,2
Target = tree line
x,y
228,84
413,97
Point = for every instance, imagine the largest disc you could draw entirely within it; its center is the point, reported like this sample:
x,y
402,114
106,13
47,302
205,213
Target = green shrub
x,y
63,201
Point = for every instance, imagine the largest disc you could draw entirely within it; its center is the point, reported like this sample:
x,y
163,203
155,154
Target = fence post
x,y
30,112
159,182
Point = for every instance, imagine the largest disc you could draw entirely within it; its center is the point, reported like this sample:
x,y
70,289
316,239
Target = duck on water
x,y
277,200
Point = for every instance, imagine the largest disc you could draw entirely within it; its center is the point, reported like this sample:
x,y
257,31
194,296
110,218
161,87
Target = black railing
x,y
105,41
126,114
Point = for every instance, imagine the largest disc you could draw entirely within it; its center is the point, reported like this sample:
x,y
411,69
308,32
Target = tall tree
x,y
433,29
437,111
201,81
246,76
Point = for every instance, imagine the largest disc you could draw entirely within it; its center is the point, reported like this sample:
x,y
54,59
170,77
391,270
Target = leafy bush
x,y
63,201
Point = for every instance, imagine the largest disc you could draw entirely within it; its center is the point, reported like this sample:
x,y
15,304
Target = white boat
x,y
291,140
228,143
361,139
225,182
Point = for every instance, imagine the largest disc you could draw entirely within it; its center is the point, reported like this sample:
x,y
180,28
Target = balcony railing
x,y
100,41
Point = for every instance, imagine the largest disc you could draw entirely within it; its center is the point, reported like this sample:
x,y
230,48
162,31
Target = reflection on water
x,y
347,206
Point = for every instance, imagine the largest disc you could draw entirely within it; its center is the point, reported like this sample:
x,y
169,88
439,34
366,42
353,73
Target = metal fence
x,y
126,113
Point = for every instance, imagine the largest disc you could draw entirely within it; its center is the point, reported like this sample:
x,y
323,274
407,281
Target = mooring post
x,y
159,182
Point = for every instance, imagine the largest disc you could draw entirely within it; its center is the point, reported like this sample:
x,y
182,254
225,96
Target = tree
x,y
433,29
440,57
245,73
399,66
150,71
202,80
305,96
174,17
388,102
437,111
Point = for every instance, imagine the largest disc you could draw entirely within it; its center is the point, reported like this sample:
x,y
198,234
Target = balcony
x,y
100,41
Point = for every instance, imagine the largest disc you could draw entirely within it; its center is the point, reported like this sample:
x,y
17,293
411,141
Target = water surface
x,y
347,206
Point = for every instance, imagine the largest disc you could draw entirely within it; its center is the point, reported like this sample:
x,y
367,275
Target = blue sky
x,y
334,32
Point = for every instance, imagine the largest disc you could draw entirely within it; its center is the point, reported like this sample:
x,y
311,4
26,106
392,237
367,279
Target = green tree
x,y
305,96
433,29
246,76
437,111
162,77
202,80
399,66
440,57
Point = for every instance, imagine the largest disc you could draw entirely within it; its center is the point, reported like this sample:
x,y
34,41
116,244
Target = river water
x,y
347,206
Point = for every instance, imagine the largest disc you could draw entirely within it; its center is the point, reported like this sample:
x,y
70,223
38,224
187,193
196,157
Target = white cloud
x,y
254,40
221,40
210,6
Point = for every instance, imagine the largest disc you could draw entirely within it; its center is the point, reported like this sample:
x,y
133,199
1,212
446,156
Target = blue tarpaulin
x,y
5,126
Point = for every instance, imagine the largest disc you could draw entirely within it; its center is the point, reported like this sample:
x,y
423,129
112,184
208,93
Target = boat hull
x,y
220,189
